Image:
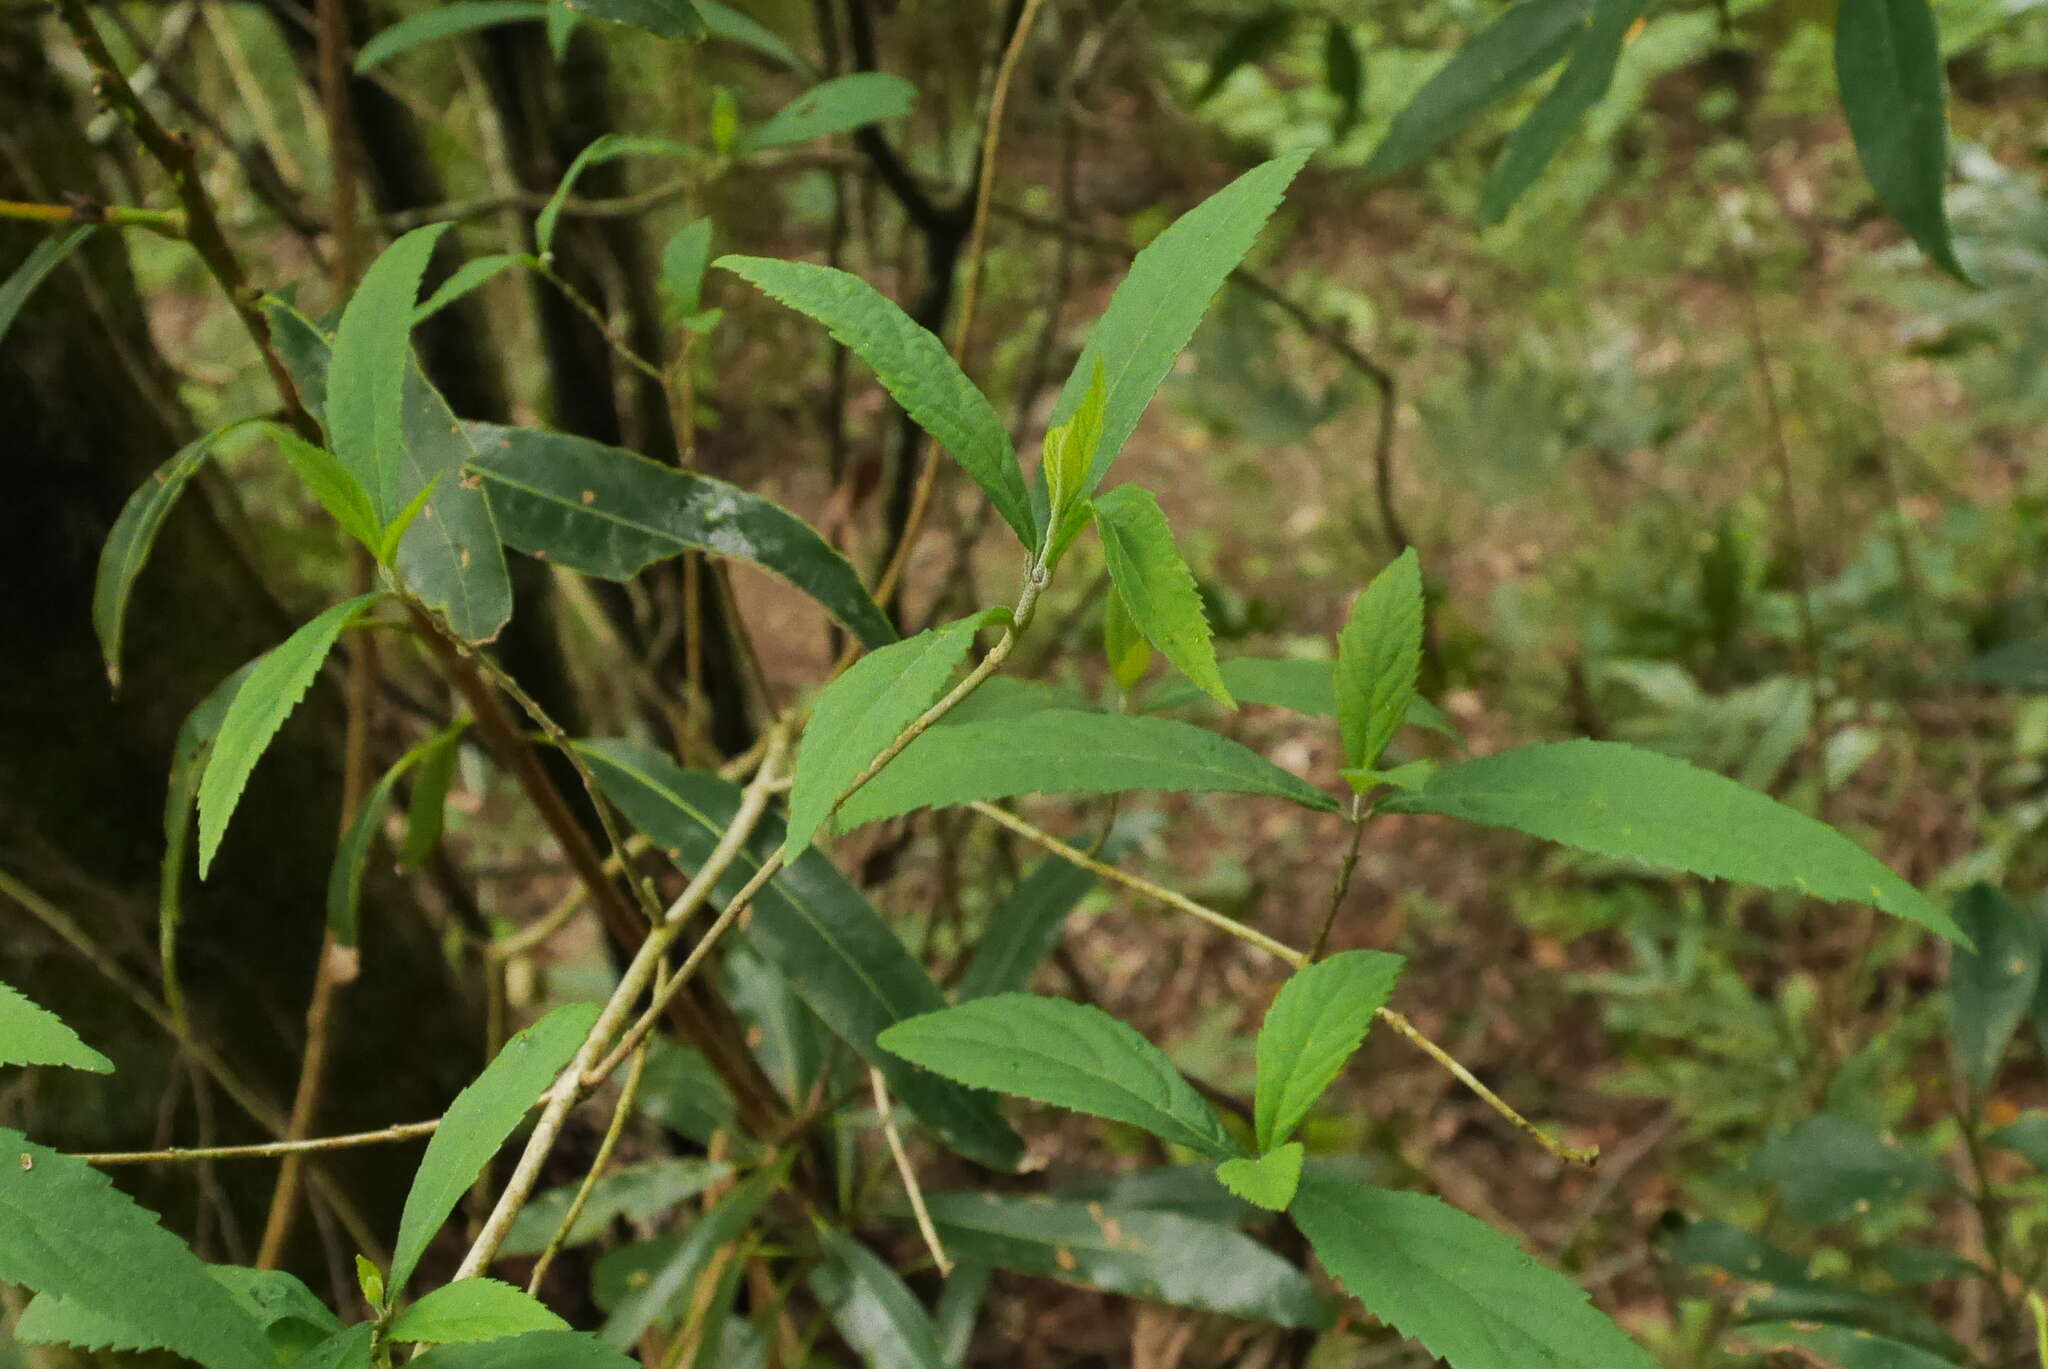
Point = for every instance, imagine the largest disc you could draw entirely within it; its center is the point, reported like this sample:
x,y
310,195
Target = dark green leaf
x,y
427,811
1888,65
471,1310
42,259
610,513
959,1308
1316,1023
1269,1181
1248,42
444,21
677,1278
606,148
1584,83
640,1193
878,1316
1025,928
189,755
534,1350
839,105
723,21
1615,800
1991,989
682,1092
1379,654
1155,584
1343,74
2028,1136
1830,1167
1844,1346
668,18
33,1035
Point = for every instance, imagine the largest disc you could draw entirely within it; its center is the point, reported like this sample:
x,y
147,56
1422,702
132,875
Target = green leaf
x,y
473,273
1155,584
609,513
345,1349
876,1314
1302,686
42,259
1450,1281
1317,1021
1158,1256
2028,1136
427,812
33,1035
960,1306
913,366
639,1193
305,350
352,851
272,689
1249,41
1154,310
1269,1181
1343,75
667,18
1025,928
67,1232
1615,800
366,377
444,21
1991,989
607,148
1584,84
1129,654
1379,655
477,1123
1830,1167
839,105
813,925
1067,751
863,711
189,755
723,21
1067,1054
1066,456
534,1350
677,1278
683,263
1888,65
1517,47
473,1309
291,1318
1841,1345
333,484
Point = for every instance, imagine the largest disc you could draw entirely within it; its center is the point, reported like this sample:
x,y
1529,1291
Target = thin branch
x,y
908,1173
629,1094
169,222
403,1131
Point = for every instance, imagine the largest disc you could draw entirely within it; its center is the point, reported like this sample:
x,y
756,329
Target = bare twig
x,y
629,1094
403,1131
908,1173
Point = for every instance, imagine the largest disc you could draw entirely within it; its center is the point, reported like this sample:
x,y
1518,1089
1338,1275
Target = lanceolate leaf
x,y
334,485
668,18
1379,653
1067,751
1154,583
477,1123
607,148
1829,1167
869,1304
534,1350
1250,41
1269,1181
470,275
1991,989
728,23
189,755
683,263
473,1309
1154,311
266,698
1888,64
1024,929
1466,1292
1343,73
1315,1024
675,1279
1158,1256
912,365
444,21
640,1192
352,852
864,710
1615,800
1509,53
33,1035
42,259
1130,655
1067,1054
67,1232
366,377
1584,82
839,105
814,926
609,513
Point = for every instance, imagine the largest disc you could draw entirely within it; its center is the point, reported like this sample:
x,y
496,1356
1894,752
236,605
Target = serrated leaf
x,y
813,925
678,1276
1126,649
1067,751
67,1232
913,366
444,21
1379,656
267,696
1453,1283
1510,52
876,1314
1343,74
608,147
42,259
666,18
534,1350
1249,41
49,1320
471,1310
1022,931
2028,1136
839,105
1269,1181
683,263
33,1035
723,21
472,274
365,412
1829,1167
477,1123
1067,1054
1584,84
1615,800
1991,988
1158,1256
1154,310
863,711
292,1318
641,1193
333,485
1316,1023
609,513
345,1349
1156,584
1888,66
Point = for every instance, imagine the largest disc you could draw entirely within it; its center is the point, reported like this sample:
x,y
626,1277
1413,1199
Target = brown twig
x,y
403,1131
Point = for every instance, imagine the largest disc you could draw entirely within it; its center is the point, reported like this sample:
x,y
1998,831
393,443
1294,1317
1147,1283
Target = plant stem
x,y
908,1173
168,222
629,1094
1359,813
402,1131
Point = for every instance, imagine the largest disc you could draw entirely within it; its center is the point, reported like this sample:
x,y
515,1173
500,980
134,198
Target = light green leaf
x,y
1269,1181
1829,1167
1156,585
444,21
607,148
1158,1256
477,1123
1450,1281
1316,1023
723,21
1888,65
1129,654
1413,775
534,1350
1067,455
863,711
609,513
272,689
719,1227
913,366
1517,47
68,1233
1067,751
666,18
473,1309
42,259
471,274
1379,655
1584,84
333,484
640,1193
365,410
33,1035
1991,989
872,1309
683,263
839,105
1154,311
1615,800
1023,930
369,1280
388,542
1067,1054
